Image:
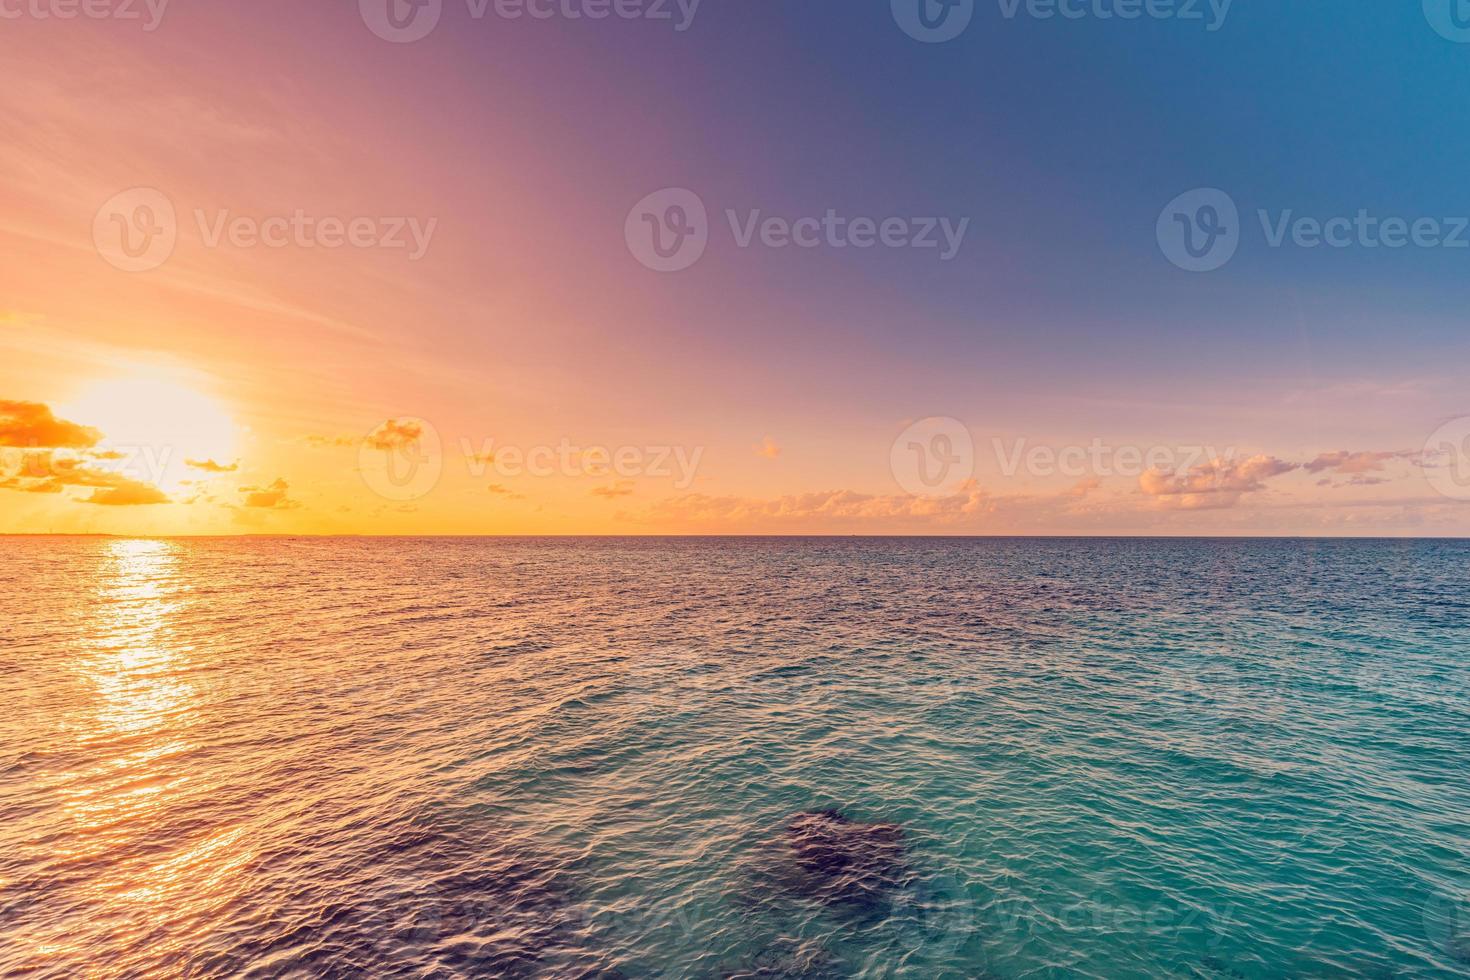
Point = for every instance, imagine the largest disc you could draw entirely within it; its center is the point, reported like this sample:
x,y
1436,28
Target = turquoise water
x,y
604,758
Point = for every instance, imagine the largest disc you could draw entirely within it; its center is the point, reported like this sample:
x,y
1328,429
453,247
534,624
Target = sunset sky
x,y
491,352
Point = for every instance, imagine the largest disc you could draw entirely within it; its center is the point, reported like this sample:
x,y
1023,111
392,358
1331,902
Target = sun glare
x,y
158,425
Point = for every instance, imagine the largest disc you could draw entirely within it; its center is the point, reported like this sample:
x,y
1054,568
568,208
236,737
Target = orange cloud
x,y
322,442
768,448
1352,464
1217,484
623,488
1359,467
501,490
127,494
1085,487
823,507
210,466
395,434
32,424
31,486
47,472
272,497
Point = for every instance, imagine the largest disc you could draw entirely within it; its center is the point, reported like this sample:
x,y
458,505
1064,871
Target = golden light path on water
x,y
136,714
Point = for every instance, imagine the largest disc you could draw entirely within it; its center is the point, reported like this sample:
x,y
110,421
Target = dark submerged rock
x,y
848,861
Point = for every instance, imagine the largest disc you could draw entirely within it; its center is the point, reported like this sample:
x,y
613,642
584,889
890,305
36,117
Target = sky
x,y
736,266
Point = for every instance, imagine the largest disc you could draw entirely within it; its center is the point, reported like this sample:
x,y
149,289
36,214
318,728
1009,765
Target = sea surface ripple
x,y
734,758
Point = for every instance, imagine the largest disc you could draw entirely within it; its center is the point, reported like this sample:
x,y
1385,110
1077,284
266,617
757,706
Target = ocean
x,y
729,757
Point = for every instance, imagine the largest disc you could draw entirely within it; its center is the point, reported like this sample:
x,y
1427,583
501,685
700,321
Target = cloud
x,y
768,448
32,424
623,488
829,506
1220,483
322,442
49,472
1085,487
131,493
1349,463
210,466
31,486
501,490
976,511
395,434
272,497
1356,481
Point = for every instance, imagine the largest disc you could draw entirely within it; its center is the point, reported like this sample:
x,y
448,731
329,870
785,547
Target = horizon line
x,y
759,536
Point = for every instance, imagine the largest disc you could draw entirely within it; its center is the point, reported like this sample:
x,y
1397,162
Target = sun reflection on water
x,y
135,728
136,669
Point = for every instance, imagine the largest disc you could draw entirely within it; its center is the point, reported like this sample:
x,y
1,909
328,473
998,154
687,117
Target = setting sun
x,y
163,427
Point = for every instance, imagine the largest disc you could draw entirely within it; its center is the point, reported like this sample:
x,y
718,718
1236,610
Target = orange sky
x,y
492,358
